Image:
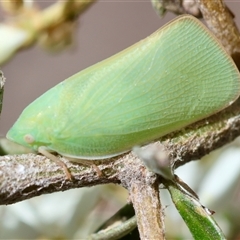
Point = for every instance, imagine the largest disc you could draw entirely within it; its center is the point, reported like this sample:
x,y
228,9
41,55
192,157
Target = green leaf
x,y
197,217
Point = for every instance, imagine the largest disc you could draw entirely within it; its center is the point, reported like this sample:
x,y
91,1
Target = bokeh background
x,y
103,30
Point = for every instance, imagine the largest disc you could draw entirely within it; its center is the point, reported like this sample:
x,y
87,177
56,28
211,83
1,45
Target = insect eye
x,y
28,138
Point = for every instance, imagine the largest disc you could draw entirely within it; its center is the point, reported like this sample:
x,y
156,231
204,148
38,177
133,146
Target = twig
x,y
144,194
115,232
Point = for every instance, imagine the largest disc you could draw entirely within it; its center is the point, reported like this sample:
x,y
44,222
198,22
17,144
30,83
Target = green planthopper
x,y
178,75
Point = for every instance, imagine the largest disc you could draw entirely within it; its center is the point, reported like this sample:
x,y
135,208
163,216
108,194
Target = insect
x,y
178,75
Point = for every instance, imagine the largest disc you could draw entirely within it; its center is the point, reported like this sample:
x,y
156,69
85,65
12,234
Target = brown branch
x,y
145,197
29,175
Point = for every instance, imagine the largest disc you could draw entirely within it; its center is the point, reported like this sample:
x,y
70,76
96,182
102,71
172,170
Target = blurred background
x,y
106,28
